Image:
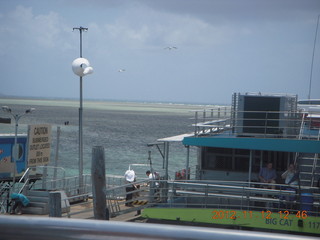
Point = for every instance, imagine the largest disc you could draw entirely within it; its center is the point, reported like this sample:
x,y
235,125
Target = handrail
x,y
25,173
289,123
52,167
57,228
4,188
199,194
314,166
26,181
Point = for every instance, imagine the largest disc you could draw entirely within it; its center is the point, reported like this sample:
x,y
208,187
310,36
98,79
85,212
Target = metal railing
x,y
119,203
52,178
57,228
4,196
169,194
238,195
211,194
267,124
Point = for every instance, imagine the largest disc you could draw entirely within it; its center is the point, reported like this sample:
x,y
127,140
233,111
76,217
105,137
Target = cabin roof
x,y
267,144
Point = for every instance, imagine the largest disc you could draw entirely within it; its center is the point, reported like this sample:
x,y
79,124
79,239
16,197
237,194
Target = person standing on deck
x,y
130,177
268,175
153,176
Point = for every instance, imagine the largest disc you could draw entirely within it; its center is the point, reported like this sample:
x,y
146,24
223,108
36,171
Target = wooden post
x,y
55,204
100,209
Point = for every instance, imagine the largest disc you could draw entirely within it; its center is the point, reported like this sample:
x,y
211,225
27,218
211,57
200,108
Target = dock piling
x,y
100,208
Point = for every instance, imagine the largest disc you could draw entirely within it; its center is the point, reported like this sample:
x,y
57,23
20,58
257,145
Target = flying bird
x,y
170,48
121,70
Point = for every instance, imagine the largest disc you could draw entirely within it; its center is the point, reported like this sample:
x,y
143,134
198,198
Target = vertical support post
x,y
187,164
165,185
15,152
56,158
81,29
80,141
44,176
250,167
314,47
100,207
80,128
166,146
195,124
55,204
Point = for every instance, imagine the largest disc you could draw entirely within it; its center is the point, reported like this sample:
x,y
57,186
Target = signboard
x,y
39,145
7,160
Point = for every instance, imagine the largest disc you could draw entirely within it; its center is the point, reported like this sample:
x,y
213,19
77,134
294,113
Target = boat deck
x,y
84,210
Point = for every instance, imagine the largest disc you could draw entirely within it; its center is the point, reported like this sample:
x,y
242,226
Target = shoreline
x,y
178,108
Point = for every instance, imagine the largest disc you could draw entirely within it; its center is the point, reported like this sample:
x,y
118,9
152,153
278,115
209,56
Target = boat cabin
x,y
258,128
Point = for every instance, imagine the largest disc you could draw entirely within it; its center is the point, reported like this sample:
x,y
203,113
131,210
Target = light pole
x,y
81,67
15,154
314,47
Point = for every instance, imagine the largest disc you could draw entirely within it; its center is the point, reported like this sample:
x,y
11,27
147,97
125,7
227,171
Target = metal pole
x,y
15,151
56,158
80,140
166,145
314,47
250,166
81,29
187,164
150,162
81,42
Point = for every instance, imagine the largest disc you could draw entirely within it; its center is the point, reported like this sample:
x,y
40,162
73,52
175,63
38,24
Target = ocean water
x,y
123,128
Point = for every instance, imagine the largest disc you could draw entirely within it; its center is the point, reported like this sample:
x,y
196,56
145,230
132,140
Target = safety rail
x,y
238,195
266,124
24,179
82,206
116,198
70,185
54,228
4,196
119,203
213,194
233,195
51,177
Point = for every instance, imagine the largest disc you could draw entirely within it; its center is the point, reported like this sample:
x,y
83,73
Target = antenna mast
x,y
314,48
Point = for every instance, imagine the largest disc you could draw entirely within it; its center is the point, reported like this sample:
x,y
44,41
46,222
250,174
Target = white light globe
x,y
81,67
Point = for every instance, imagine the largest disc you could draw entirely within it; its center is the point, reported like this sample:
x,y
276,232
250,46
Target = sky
x,y
222,47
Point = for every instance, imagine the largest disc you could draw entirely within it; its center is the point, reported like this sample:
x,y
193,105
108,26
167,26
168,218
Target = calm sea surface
x,y
124,129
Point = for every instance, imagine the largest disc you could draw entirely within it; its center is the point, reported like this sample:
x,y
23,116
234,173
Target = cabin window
x,y
223,162
238,159
241,164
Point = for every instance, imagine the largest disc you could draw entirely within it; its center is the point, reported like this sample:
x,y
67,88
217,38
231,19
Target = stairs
x,y
308,163
309,166
39,203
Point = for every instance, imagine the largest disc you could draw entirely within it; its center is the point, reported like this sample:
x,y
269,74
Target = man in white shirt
x,y
130,177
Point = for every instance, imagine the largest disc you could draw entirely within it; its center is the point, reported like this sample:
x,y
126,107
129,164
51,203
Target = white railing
x,y
267,124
